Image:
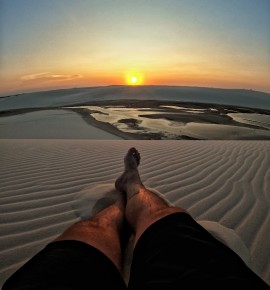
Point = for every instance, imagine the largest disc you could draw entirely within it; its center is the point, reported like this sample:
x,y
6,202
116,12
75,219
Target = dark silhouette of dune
x,y
76,96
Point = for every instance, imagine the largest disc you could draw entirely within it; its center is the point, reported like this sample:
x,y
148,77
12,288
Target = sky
x,y
65,43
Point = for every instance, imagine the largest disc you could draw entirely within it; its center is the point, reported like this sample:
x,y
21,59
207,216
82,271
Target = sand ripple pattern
x,y
223,181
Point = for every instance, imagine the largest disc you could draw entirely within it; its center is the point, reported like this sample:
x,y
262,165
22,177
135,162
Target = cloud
x,y
47,76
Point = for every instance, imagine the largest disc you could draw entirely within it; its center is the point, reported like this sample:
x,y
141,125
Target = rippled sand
x,y
46,185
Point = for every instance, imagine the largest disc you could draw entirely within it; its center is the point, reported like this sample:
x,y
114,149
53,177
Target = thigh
x,y
177,253
67,265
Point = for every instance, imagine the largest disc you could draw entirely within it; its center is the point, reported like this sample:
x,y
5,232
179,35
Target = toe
x,y
136,155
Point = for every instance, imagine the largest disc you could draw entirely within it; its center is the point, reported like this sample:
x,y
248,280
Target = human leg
x,y
103,230
143,207
172,251
85,256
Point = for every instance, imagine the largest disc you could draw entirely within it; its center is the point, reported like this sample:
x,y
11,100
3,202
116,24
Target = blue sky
x,y
64,43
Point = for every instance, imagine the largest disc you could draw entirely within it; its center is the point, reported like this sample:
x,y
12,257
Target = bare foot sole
x,y
132,159
130,180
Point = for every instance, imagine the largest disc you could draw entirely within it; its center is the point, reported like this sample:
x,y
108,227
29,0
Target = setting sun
x,y
134,79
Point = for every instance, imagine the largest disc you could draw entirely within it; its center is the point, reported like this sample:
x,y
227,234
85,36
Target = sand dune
x,y
48,184
76,96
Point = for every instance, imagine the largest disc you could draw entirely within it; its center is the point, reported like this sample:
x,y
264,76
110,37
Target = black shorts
x,y
177,253
67,265
173,253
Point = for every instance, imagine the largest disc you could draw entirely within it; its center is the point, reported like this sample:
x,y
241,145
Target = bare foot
x,y
130,182
132,159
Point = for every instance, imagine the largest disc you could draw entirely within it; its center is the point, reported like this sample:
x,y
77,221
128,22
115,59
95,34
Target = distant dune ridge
x,y
46,185
75,96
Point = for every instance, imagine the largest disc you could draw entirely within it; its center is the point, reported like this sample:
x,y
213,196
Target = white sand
x,y
50,124
46,185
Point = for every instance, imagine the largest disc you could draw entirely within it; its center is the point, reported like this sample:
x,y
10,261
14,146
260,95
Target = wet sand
x,y
192,117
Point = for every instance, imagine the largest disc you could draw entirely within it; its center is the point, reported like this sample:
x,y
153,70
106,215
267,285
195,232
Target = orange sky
x,y
59,44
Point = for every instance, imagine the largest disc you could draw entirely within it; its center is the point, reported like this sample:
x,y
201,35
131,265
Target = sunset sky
x,y
47,44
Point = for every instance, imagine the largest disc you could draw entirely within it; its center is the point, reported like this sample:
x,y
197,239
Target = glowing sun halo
x,y
134,79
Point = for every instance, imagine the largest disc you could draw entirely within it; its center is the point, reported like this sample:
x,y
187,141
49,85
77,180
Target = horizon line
x,y
125,85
